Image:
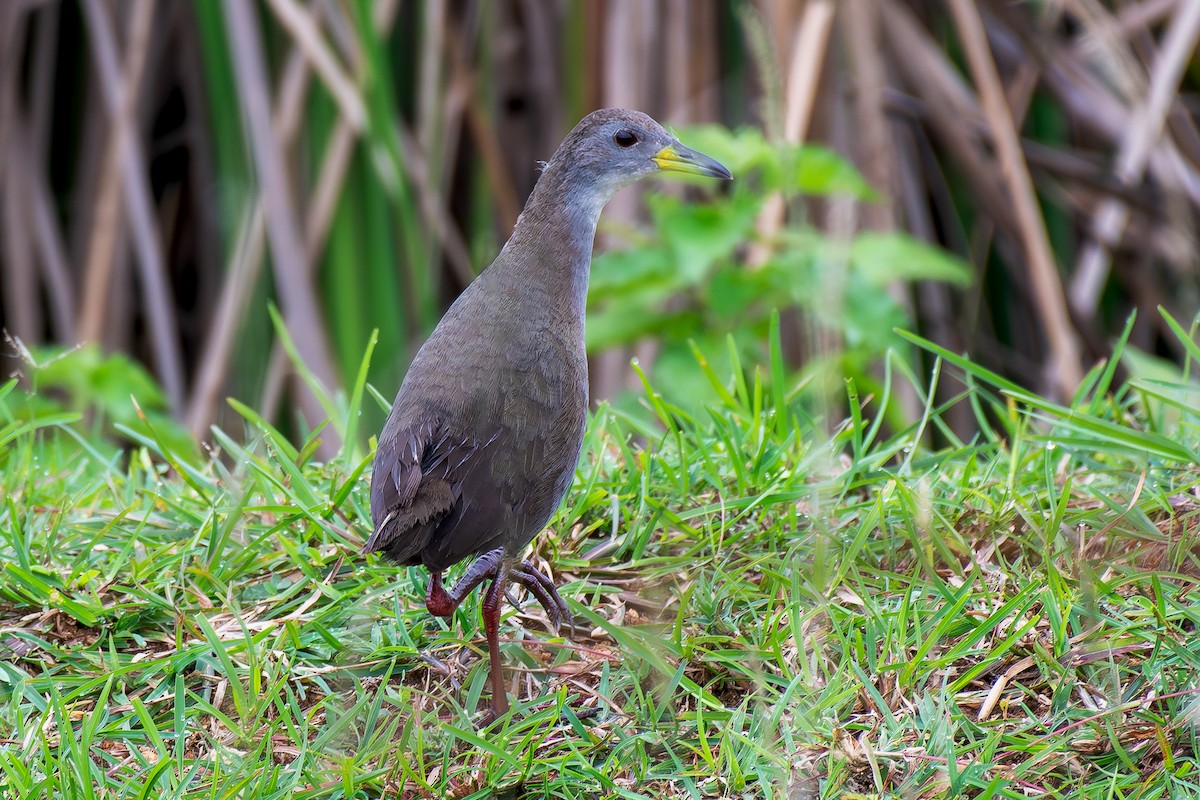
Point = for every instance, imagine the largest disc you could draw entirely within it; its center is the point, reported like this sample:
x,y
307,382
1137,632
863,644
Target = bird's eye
x,y
625,138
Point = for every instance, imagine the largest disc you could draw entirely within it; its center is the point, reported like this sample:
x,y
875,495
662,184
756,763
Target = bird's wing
x,y
431,491
410,491
482,512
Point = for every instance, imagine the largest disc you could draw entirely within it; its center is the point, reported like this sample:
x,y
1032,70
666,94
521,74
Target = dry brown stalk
x,y
1146,126
119,88
290,260
800,92
1049,296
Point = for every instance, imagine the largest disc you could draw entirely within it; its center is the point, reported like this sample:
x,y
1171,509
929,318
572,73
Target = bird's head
x,y
614,147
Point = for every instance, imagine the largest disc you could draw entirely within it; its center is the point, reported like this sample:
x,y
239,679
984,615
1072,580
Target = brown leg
x,y
442,603
491,628
542,588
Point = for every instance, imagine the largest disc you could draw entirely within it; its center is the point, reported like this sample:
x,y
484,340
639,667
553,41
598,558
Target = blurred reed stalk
x,y
169,168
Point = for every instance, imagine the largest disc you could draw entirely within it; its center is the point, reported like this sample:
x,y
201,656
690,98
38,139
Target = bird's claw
x,y
542,588
486,718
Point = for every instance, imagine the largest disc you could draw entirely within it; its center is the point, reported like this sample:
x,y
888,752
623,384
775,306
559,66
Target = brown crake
x,y
481,444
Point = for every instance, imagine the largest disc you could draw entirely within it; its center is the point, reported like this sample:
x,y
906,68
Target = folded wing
x,y
424,478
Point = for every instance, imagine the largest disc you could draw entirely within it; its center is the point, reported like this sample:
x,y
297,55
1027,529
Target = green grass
x,y
769,604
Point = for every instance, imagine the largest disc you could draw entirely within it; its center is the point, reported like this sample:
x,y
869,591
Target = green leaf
x,y
821,172
622,323
700,235
884,257
619,272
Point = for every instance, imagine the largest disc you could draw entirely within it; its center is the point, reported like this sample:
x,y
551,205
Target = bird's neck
x,y
550,250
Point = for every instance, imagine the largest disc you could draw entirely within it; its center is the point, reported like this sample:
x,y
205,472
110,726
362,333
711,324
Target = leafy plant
x,y
116,397
688,280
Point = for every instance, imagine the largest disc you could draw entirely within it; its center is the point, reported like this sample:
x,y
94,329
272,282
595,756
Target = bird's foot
x,y
442,603
542,588
486,718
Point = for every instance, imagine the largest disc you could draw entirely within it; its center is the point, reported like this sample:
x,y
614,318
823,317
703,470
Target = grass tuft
x,y
769,605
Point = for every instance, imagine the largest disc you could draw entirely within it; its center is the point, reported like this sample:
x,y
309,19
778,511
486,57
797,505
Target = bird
x,y
482,441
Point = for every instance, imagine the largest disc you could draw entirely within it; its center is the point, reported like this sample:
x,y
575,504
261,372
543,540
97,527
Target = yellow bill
x,y
677,158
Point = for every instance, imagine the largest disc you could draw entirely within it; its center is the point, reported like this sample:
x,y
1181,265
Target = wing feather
x,y
410,492
421,476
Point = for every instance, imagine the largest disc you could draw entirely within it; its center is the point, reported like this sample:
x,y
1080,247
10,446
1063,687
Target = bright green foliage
x,y
108,393
688,282
770,604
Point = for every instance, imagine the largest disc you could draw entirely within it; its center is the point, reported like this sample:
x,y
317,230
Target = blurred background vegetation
x,y
1009,179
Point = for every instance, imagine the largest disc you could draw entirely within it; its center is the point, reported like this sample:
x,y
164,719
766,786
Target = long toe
x,y
486,718
567,619
542,588
564,617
